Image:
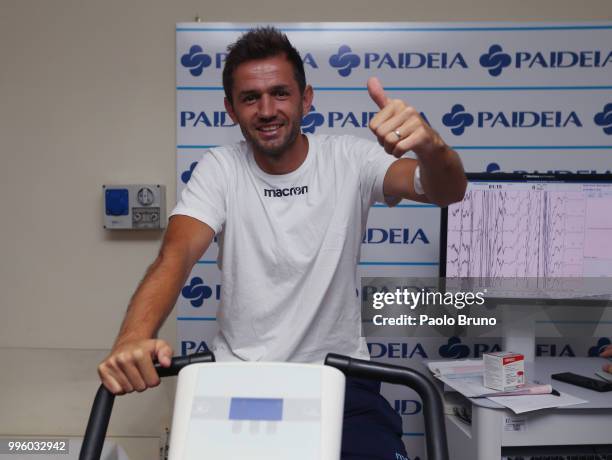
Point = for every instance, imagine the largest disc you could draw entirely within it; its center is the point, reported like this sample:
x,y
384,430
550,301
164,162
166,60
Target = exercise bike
x,y
267,411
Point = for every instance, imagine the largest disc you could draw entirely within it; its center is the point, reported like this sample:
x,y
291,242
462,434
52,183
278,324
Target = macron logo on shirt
x,y
280,192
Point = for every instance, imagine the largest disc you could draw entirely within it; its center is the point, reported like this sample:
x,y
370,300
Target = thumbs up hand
x,y
400,128
377,92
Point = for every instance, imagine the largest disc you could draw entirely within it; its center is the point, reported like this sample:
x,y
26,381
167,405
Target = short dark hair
x,y
261,43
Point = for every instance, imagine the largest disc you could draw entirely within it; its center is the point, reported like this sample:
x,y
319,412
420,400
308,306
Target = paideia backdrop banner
x,y
507,96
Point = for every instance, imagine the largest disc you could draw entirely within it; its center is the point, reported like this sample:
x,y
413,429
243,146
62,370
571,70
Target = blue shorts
x,y
372,430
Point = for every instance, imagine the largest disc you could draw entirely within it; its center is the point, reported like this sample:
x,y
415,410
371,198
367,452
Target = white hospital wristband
x,y
418,187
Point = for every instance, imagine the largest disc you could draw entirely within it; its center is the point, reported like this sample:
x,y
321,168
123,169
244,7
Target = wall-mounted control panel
x,y
134,206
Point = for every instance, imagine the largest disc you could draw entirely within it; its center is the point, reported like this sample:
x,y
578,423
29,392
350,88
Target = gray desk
x,y
494,427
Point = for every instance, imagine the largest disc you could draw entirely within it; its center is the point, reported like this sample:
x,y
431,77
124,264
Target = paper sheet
x,y
465,376
521,404
467,386
457,368
473,387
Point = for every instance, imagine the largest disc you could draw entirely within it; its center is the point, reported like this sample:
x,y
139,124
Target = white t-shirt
x,y
289,246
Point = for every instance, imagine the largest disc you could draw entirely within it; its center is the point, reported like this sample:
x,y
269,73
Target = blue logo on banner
x,y
197,291
604,119
601,344
408,406
344,61
394,236
312,120
187,174
495,60
216,119
189,347
458,119
398,350
454,349
495,167
553,350
196,60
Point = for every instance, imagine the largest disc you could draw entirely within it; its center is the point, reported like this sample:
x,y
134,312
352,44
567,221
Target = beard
x,y
277,147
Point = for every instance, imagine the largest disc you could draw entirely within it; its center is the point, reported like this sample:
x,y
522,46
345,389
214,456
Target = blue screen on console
x,y
270,409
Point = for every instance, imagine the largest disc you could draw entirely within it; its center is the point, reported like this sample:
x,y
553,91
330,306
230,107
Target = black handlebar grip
x,y
178,362
93,441
97,425
433,408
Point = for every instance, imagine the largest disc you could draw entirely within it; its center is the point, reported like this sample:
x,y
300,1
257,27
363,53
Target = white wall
x,y
87,98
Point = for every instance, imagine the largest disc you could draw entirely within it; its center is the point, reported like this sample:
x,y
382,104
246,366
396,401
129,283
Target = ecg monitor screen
x,y
511,225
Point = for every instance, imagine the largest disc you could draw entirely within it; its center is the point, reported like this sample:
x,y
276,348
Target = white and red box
x,y
504,370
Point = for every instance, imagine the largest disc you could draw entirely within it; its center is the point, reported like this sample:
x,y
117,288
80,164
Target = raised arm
x,y
129,366
399,128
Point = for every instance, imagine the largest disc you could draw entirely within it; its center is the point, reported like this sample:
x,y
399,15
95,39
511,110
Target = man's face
x,y
267,104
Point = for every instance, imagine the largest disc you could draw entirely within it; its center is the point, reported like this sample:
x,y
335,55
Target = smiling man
x,y
289,210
